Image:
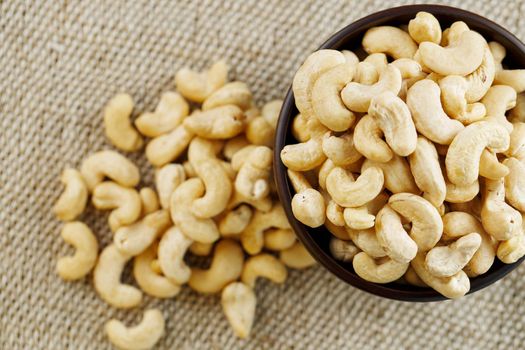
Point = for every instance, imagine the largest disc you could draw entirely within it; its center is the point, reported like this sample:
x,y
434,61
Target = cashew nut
x,y
252,238
106,278
306,155
498,100
425,27
308,205
498,52
167,179
350,56
297,257
397,175
149,200
260,132
238,303
392,236
300,129
235,221
368,140
357,96
358,218
464,153
446,261
315,65
149,280
451,35
458,58
326,97
461,193
252,180
73,199
490,167
412,278
226,267
278,239
515,183
408,68
136,238
481,79
393,118
512,77
367,241
85,243
109,164
203,230
424,163
427,225
343,250
453,97
334,213
263,265
170,112
234,145
423,100
390,40
517,114
117,125
198,86
140,337
517,141
349,193
234,93
167,147
222,122
201,249
125,202
340,149
171,251
264,205
378,60
383,270
366,73
512,250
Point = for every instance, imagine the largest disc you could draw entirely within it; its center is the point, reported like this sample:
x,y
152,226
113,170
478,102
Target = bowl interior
x,y
317,240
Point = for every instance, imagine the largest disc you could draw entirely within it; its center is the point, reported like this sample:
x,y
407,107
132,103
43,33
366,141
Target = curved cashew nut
x,y
300,128
511,77
451,35
222,122
490,167
149,200
198,229
334,213
340,149
253,178
296,257
499,52
168,147
446,261
458,58
167,179
109,164
149,280
515,183
357,96
512,250
481,79
427,225
82,262
358,218
453,97
343,250
306,155
235,221
340,232
458,224
349,193
398,177
350,56
125,202
392,236
260,132
169,113
323,171
73,199
425,27
234,145
367,241
423,100
461,193
263,205
424,163
117,125
197,86
241,156
312,68
412,278
238,303
464,153
172,248
135,238
308,205
498,218
106,278
390,40
472,207
366,73
452,287
498,100
252,238
368,140
394,119
517,114
142,336
408,68
384,270
271,111
278,239
263,265
326,97
226,267
234,93
517,141
378,60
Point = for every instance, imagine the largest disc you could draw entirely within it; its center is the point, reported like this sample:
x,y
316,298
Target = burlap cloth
x,y
61,60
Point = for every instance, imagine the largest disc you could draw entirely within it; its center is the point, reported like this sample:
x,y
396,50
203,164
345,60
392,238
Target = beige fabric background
x,y
61,60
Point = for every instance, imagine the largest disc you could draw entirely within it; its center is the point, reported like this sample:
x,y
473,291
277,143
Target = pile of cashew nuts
x,y
214,196
413,157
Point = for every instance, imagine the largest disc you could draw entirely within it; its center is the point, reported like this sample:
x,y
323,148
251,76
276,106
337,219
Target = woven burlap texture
x,y
61,60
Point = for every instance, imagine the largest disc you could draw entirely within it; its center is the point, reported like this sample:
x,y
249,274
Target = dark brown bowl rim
x,y
392,290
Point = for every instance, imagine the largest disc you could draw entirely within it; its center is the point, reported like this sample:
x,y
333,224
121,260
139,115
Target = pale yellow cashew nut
x,y
350,56
253,178
197,86
383,270
515,183
412,278
234,145
109,164
517,141
517,114
341,149
222,122
117,125
167,179
300,129
308,205
498,100
453,97
167,147
490,167
446,261
451,35
263,265
235,221
368,140
279,239
296,257
512,250
235,93
238,303
408,68
366,73
201,249
378,60
514,78
390,40
358,218
349,193
80,236
335,213
425,27
461,193
172,248
149,200
343,250
397,175
480,81
142,336
73,199
498,52
169,113
367,241
392,237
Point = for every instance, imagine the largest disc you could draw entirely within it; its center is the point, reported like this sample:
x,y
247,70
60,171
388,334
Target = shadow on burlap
x,y
61,60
